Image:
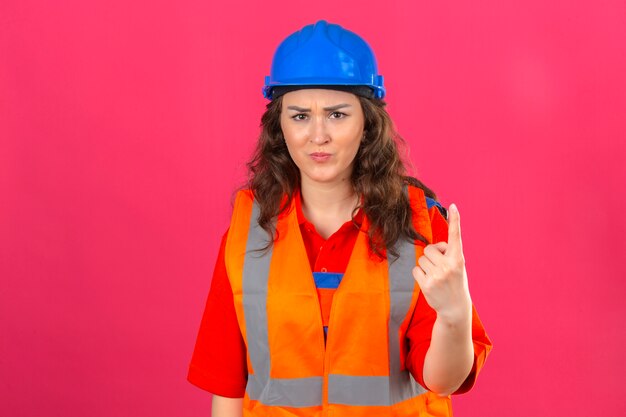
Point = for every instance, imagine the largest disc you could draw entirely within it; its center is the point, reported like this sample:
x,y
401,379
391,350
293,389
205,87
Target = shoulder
x,y
418,197
432,203
416,194
243,200
244,194
243,208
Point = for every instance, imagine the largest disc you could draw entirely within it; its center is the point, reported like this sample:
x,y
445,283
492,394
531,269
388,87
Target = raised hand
x,y
441,274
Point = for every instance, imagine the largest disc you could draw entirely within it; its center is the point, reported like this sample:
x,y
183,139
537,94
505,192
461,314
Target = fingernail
x,y
453,208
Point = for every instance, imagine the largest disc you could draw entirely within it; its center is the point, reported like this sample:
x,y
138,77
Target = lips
x,y
320,156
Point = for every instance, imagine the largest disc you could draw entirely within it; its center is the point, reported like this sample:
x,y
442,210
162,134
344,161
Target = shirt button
x,y
324,270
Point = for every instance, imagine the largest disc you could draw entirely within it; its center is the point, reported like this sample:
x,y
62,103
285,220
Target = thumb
x,y
454,230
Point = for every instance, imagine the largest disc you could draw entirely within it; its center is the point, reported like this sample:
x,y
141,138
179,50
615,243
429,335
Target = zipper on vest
x,y
322,344
327,364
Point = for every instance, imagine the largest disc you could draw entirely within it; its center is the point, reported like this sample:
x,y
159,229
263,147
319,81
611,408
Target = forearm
x,y
227,407
450,356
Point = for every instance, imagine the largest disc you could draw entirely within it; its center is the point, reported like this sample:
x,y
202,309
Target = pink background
x,y
125,126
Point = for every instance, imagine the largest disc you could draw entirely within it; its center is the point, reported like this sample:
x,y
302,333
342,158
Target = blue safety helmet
x,y
324,55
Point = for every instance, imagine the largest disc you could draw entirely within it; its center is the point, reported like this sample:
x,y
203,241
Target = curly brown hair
x,y
378,176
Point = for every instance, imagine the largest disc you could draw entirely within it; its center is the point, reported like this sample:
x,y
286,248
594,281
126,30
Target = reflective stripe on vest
x,y
398,386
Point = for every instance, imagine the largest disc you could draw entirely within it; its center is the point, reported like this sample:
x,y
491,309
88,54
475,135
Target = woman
x,y
339,289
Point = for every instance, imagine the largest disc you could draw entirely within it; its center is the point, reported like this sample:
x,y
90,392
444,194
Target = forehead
x,y
318,95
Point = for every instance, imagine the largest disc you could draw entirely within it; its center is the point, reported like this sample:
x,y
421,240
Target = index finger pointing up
x,y
454,230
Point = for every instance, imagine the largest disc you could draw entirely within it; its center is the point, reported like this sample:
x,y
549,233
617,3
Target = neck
x,y
328,206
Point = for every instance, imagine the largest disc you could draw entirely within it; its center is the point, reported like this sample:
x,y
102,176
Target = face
x,y
323,130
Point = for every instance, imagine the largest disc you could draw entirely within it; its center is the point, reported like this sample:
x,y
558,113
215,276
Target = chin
x,y
328,178
327,174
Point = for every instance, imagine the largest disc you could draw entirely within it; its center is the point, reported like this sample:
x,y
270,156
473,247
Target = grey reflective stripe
x,y
288,392
358,390
342,389
401,285
256,268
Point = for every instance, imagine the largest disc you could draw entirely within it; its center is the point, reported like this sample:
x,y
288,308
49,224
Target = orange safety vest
x,y
360,371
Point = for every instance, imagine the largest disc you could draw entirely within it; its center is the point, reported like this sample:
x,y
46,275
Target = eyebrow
x,y
331,108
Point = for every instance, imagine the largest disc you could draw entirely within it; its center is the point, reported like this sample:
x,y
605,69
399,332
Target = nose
x,y
319,134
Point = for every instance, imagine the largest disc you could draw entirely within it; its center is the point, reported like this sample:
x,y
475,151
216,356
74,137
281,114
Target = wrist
x,y
458,317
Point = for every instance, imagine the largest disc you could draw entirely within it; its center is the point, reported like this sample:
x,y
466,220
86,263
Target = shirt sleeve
x,y
218,363
420,328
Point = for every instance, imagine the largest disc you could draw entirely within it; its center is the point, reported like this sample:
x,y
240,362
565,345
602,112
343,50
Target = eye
x,y
299,116
337,115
